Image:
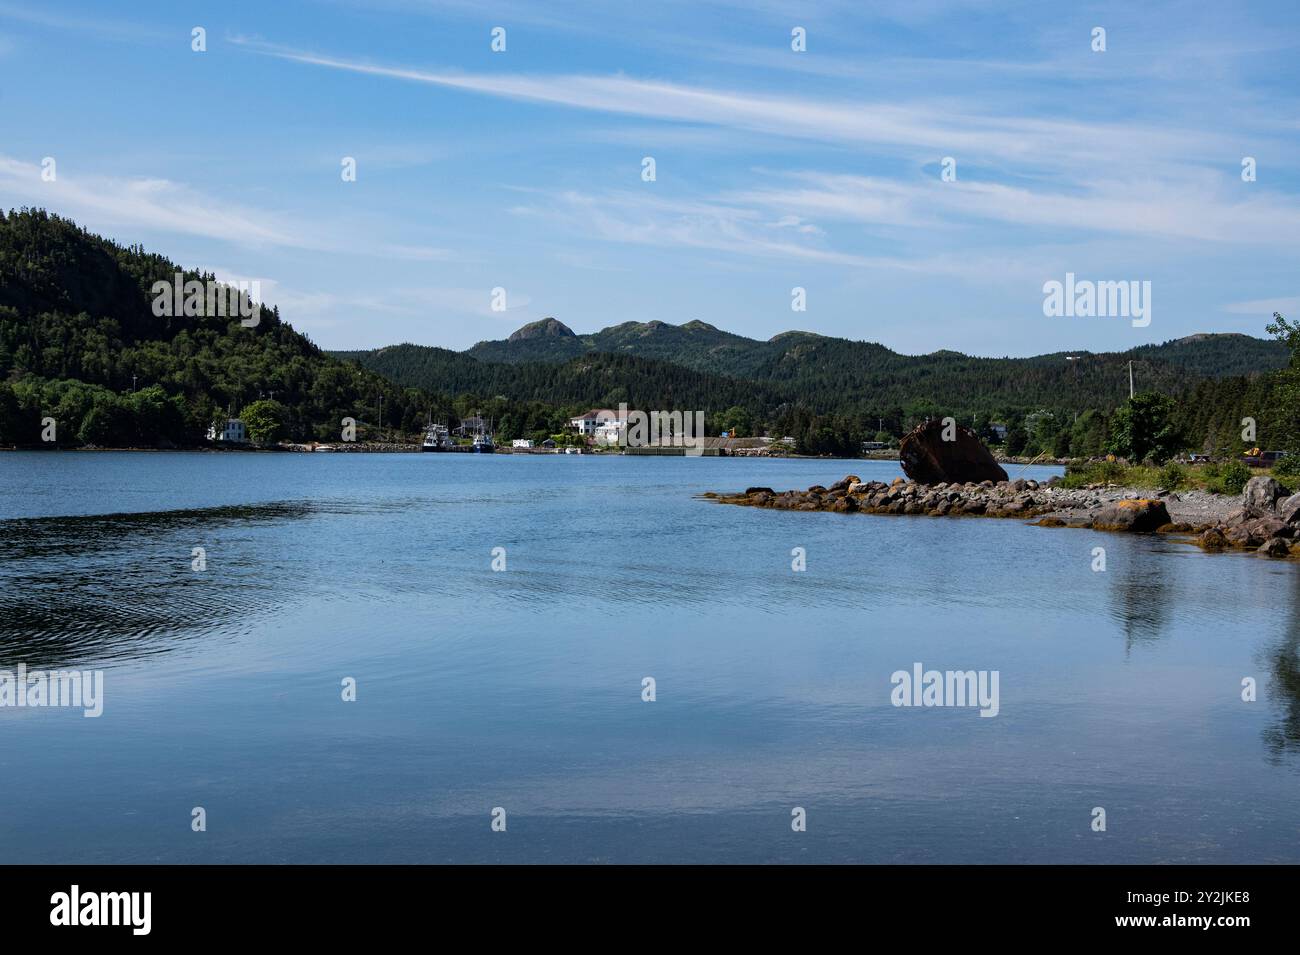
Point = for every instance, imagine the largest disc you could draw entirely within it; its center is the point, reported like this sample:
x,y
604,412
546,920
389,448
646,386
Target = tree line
x,y
79,344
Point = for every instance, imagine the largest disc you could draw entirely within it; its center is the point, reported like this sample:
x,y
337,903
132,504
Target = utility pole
x,y
133,384
1130,379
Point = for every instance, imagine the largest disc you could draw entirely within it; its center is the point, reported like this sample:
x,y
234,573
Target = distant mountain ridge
x,y
704,347
828,374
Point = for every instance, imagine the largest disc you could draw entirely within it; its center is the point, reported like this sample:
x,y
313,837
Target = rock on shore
x,y
1266,518
935,453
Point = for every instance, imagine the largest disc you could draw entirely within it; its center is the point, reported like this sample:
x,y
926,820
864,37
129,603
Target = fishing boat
x,y
437,438
483,443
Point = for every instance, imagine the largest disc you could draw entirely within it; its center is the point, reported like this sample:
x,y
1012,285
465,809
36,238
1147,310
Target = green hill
x,y
80,343
828,375
595,379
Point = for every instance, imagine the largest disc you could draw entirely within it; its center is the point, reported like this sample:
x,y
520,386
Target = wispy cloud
x,y
115,203
746,233
1287,305
1191,205
914,126
114,29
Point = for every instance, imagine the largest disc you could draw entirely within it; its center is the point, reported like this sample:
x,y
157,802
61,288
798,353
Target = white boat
x,y
437,438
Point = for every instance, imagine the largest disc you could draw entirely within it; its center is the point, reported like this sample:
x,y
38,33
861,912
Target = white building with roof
x,y
587,424
232,432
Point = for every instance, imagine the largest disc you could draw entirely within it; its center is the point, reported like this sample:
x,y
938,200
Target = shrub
x,y
1232,478
1076,478
1288,467
1173,476
1097,472
1112,472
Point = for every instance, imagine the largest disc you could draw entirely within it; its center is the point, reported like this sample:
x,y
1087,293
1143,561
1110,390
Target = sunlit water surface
x,y
522,689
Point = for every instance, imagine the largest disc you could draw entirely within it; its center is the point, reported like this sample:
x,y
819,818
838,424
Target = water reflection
x,y
1141,598
111,586
1282,739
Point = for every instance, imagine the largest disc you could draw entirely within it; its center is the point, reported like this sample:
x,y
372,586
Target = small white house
x,y
522,443
232,433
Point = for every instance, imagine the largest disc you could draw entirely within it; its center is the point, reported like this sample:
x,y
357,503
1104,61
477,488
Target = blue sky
x,y
775,169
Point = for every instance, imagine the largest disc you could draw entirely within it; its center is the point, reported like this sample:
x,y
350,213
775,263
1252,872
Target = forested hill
x,y
546,361
703,347
79,342
593,380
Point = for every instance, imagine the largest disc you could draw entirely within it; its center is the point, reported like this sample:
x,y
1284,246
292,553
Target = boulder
x,y
1288,509
758,490
1143,514
1240,535
1213,539
1266,527
846,483
1260,496
1275,547
929,459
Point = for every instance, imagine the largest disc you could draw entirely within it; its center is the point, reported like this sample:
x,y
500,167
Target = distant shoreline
x,y
394,448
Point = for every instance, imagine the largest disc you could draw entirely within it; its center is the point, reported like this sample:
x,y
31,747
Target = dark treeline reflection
x,y
109,587
1140,602
1283,661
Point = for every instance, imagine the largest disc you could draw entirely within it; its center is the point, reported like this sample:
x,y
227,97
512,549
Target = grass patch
x,y
1219,477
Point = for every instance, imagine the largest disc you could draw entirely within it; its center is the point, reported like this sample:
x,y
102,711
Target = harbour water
x,y
522,688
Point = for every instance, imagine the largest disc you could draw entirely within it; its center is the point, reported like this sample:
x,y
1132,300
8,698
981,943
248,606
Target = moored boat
x,y
437,438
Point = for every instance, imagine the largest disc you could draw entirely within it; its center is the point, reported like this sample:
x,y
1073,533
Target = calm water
x,y
522,689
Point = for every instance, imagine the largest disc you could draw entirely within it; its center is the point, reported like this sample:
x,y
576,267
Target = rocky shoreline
x,y
1266,518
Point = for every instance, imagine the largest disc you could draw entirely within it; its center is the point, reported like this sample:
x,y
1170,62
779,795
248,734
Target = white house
x,y
522,443
588,423
608,433
232,433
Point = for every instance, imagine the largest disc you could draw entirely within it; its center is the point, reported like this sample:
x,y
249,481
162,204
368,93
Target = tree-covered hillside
x,y
799,382
831,393
806,357
80,343
593,380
